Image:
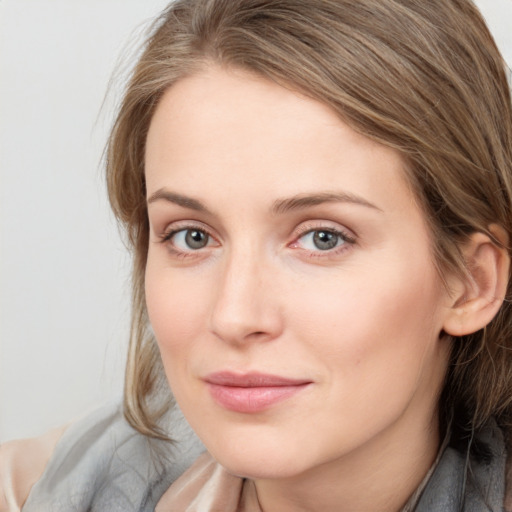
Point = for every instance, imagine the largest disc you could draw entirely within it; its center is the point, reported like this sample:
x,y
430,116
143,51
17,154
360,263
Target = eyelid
x,y
183,225
323,225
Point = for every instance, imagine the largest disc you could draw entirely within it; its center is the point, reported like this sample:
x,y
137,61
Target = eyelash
x,y
347,240
167,236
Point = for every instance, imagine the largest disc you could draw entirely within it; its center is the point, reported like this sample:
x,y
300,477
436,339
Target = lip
x,y
252,392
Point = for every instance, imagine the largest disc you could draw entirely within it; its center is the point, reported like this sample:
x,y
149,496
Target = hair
x,y
424,78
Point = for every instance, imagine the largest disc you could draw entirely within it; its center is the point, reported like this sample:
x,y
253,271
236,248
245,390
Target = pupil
x,y
325,240
196,239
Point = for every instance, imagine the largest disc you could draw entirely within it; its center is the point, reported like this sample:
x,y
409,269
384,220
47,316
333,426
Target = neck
x,y
382,475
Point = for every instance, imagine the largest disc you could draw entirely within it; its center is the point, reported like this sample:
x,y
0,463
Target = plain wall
x,y
64,274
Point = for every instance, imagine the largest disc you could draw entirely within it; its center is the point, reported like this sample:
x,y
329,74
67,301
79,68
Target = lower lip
x,y
252,399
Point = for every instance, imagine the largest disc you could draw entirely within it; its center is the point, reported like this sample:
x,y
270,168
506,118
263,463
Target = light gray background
x,y
64,274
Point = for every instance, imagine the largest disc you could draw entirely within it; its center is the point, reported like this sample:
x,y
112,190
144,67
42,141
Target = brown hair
x,y
422,77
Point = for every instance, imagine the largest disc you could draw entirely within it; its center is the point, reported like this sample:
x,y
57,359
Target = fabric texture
x,y
102,465
475,487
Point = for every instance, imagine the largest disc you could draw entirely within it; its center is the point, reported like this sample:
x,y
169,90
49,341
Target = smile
x,y
252,392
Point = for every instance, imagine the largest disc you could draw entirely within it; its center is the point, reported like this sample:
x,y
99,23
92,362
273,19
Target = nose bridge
x,y
243,308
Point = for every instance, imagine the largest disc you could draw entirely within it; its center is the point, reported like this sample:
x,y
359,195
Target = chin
x,y
257,468
261,458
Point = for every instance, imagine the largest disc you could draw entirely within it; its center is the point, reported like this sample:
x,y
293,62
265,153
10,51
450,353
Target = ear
x,y
478,296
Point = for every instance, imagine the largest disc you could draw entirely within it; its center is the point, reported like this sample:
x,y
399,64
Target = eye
x,y
189,239
322,240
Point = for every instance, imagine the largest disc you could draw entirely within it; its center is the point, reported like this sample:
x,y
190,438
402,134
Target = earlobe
x,y
480,294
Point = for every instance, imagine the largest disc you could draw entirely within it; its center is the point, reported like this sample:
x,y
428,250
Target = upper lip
x,y
252,380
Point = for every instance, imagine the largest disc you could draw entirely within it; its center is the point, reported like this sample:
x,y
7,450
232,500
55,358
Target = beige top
x,y
207,486
22,463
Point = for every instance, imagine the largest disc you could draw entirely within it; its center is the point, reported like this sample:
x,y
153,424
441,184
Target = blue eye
x,y
322,240
189,239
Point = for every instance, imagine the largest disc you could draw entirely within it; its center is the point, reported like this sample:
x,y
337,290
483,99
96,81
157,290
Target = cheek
x,y
177,308
375,343
368,323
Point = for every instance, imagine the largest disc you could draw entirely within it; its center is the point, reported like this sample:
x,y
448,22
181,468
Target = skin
x,y
360,321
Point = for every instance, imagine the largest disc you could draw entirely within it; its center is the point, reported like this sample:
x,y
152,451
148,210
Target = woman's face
x,y
290,281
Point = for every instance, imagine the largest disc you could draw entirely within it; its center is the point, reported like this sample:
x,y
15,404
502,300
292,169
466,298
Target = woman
x,y
318,195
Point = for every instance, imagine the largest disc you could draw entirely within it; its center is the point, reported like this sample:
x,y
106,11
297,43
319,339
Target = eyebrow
x,y
302,201
280,206
179,199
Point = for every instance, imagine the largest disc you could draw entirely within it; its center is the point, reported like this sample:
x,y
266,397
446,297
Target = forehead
x,y
227,130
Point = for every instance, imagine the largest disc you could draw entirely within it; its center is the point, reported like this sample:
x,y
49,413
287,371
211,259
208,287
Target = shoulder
x,y
101,463
22,462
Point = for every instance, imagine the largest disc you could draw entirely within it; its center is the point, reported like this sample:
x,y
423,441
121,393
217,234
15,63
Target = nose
x,y
245,305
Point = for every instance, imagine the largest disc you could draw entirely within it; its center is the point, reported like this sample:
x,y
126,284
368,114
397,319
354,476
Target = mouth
x,y
252,392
